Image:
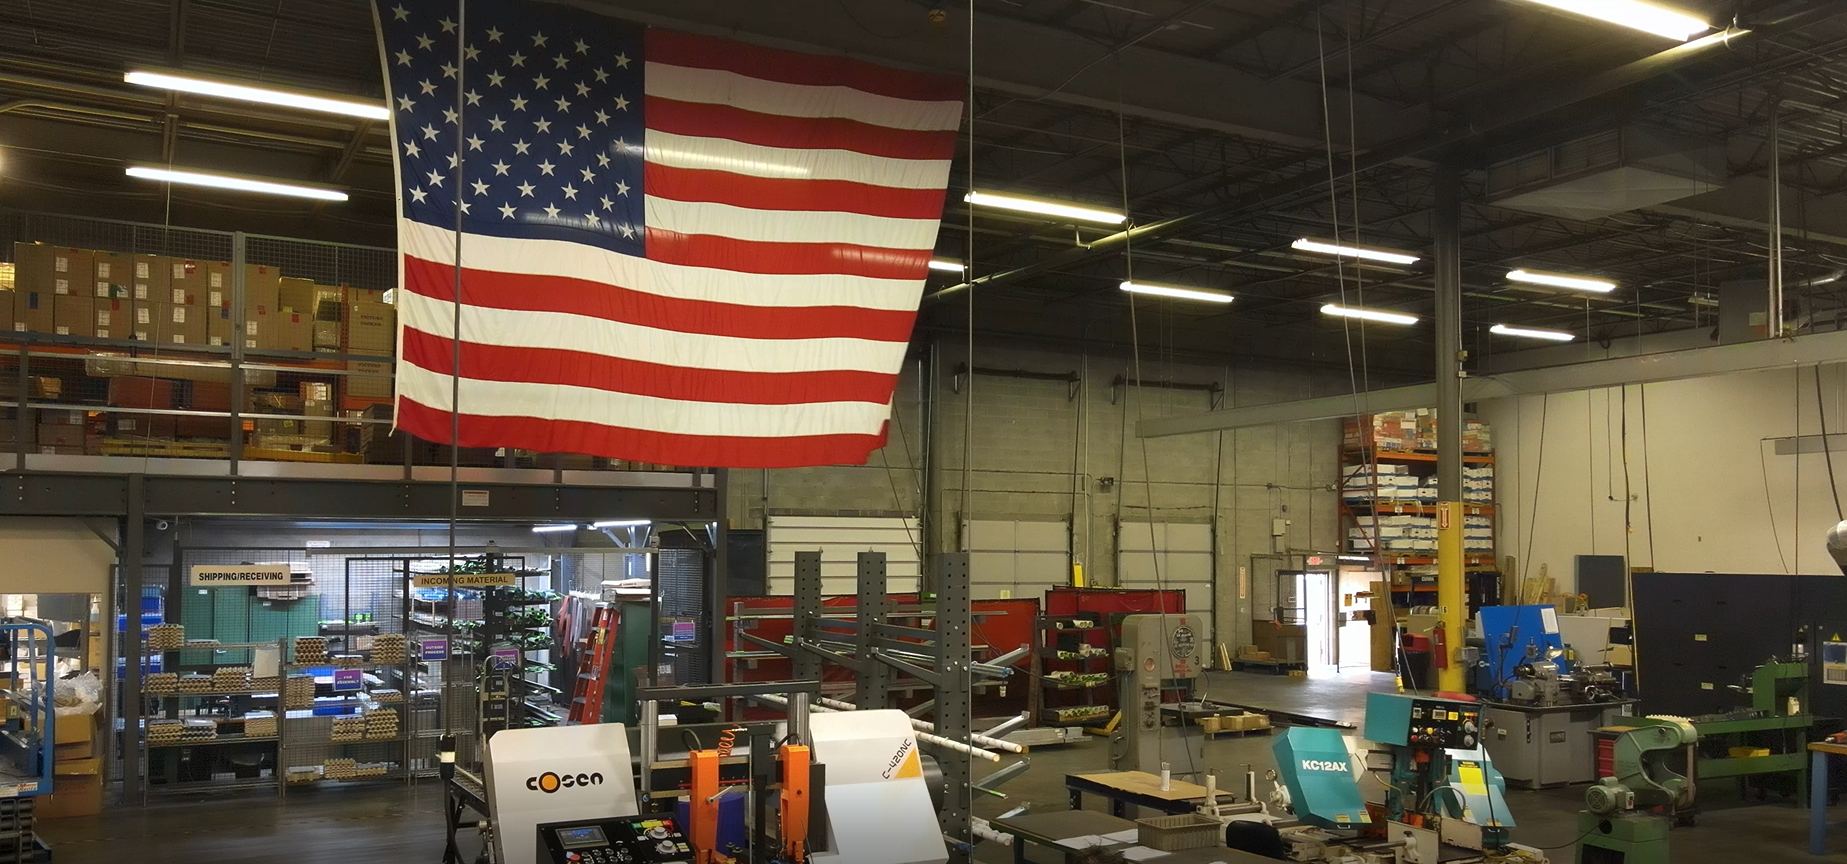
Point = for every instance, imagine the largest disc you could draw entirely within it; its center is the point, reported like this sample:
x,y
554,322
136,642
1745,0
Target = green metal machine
x,y
1618,824
1779,703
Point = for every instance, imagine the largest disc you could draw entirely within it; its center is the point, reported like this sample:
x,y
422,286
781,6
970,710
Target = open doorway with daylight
x,y
1306,600
1353,619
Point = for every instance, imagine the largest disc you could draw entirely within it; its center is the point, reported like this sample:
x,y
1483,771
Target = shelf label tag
x,y
433,649
348,680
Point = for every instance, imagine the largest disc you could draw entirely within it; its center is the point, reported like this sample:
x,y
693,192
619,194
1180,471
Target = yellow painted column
x,y
1451,593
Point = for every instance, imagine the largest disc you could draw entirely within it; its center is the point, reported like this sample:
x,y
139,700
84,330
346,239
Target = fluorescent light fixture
x,y
1205,294
1344,251
1045,208
1355,558
1704,301
947,266
552,529
1634,14
1559,280
621,523
264,95
1368,314
232,181
1530,333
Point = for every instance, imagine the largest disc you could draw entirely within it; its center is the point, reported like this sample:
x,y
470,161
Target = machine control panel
x,y
633,840
1408,720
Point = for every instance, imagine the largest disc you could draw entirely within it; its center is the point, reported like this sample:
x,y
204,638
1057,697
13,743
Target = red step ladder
x,y
594,652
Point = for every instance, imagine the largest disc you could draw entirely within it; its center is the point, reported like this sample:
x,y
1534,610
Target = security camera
x,y
162,525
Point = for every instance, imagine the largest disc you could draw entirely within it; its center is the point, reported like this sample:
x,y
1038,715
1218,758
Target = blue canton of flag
x,y
541,110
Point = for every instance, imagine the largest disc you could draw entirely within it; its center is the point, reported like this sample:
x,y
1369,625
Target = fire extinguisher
x,y
1439,646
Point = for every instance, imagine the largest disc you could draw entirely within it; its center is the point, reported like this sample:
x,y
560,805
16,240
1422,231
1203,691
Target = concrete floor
x,y
394,823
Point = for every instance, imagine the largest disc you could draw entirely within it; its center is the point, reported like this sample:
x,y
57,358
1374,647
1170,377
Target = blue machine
x,y
1317,769
1438,763
1512,635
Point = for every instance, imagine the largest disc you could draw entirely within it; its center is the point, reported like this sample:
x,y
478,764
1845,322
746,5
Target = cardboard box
x,y
7,299
364,295
72,797
319,404
208,396
152,276
74,730
288,331
62,753
60,435
262,289
32,311
368,380
371,328
296,295
74,315
143,425
326,336
135,392
51,269
218,328
181,325
212,428
115,270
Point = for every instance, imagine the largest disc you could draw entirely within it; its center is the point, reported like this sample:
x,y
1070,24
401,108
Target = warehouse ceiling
x,y
1212,121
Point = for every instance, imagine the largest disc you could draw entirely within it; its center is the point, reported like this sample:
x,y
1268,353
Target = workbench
x,y
1141,789
1819,752
1051,829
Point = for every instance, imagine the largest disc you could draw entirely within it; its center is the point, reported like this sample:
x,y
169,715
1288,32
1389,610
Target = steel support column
x,y
874,678
718,590
807,664
1450,589
134,539
953,620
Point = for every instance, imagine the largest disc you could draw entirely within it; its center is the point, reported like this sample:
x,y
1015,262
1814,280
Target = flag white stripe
x,y
512,328
651,413
781,163
790,226
719,87
595,264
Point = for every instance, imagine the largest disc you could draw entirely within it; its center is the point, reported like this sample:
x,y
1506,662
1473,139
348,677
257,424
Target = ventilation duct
x,y
1606,173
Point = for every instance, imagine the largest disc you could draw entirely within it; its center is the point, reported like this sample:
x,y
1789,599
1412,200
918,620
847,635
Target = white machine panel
x,y
878,808
555,774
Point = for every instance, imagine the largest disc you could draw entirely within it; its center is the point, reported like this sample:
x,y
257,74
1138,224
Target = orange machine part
x,y
703,810
795,761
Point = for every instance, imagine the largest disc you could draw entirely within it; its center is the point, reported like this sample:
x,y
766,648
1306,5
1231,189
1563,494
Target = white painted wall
x,y
53,556
1705,489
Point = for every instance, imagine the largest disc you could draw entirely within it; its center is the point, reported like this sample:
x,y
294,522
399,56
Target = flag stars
x,y
479,187
583,47
627,231
525,190
495,124
429,132
411,149
589,175
538,40
436,178
601,76
500,168
451,160
507,211
425,43
592,219
540,82
465,206
602,160
602,117
450,116
447,25
621,188
474,143
607,204
583,131
426,87
517,58
546,168
403,57
494,79
399,13
564,105
570,192
405,104
551,211
565,148
521,147
543,125
519,103
561,62
417,195
449,70
583,89
471,52
621,61
621,104
472,97
493,35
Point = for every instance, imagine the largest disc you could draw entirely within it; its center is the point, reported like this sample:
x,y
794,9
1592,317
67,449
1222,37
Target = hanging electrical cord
x,y
1827,451
1539,468
1770,509
968,274
1648,493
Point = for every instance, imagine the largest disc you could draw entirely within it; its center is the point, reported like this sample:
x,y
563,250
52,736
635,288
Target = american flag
x,y
675,249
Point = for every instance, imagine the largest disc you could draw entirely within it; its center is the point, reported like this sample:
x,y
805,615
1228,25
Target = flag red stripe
x,y
749,256
789,67
568,295
704,120
622,375
764,193
570,436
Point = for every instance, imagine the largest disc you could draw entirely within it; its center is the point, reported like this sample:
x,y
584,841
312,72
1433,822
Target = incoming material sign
x,y
221,575
462,580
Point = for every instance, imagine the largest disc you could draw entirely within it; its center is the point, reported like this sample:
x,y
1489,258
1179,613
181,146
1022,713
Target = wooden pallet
x,y
1238,733
178,449
255,454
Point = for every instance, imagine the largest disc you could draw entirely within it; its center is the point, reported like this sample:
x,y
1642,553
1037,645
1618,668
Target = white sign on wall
x,y
223,575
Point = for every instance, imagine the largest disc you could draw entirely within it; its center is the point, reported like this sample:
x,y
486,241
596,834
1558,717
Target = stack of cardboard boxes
x,y
77,773
1412,430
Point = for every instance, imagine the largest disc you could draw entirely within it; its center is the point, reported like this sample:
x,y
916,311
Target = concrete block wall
x,y
1037,453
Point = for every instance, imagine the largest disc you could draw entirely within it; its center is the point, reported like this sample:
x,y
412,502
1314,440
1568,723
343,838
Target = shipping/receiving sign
x,y
221,575
348,680
463,580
